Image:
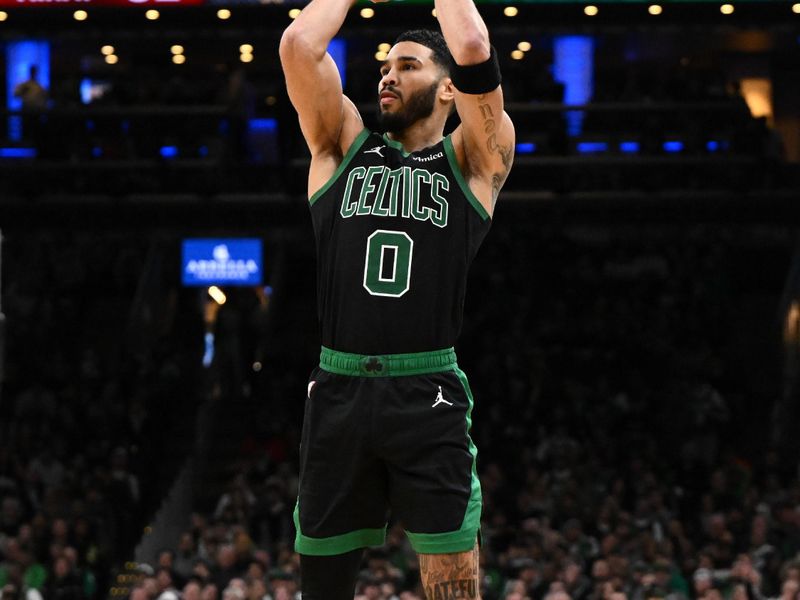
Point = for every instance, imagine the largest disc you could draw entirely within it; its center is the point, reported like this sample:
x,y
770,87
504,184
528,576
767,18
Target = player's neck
x,y
420,135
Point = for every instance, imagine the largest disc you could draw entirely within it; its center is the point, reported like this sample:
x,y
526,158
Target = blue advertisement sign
x,y
222,262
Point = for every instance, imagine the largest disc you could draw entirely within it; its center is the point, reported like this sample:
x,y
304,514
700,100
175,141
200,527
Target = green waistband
x,y
386,365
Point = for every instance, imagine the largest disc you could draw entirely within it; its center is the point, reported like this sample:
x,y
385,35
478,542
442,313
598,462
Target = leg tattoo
x,y
450,576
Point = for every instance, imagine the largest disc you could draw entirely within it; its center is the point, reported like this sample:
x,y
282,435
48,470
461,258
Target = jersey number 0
x,y
387,267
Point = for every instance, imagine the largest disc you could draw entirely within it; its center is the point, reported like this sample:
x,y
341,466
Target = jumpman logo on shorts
x,y
440,399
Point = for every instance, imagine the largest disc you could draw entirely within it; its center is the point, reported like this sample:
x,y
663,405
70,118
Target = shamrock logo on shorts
x,y
373,364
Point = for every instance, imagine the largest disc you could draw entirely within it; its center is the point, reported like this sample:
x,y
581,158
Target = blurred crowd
x,y
622,454
80,414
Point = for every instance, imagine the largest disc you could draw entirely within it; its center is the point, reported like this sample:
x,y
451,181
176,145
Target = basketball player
x,y
398,218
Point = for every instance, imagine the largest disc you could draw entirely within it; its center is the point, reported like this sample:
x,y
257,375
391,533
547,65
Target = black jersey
x,y
396,233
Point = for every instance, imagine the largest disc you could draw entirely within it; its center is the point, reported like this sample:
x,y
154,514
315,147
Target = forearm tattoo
x,y
450,576
506,152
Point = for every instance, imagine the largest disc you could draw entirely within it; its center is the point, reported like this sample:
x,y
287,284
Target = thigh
x,y
342,493
450,576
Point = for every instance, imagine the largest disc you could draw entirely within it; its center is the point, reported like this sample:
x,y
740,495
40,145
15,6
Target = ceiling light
x,y
112,59
367,13
384,47
510,11
223,14
176,49
246,48
726,9
3,15
591,10
294,13
655,9
517,55
80,15
152,14
179,59
380,56
217,295
246,58
524,46
107,49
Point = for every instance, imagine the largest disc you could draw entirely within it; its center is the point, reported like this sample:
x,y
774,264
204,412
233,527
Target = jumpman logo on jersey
x,y
375,150
440,399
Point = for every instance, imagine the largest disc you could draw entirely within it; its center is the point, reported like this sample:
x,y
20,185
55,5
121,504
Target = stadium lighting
x,y
3,15
80,15
629,147
179,59
796,8
433,12
591,147
223,14
511,11
673,146
217,295
294,13
655,9
152,14
726,9
526,147
246,49
107,49
384,47
380,56
367,13
517,55
246,58
112,59
524,46
176,49
591,10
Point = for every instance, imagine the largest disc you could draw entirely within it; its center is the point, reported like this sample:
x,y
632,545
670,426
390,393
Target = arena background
x,y
631,331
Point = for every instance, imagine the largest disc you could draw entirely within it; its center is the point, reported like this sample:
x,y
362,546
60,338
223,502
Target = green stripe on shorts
x,y
337,544
466,536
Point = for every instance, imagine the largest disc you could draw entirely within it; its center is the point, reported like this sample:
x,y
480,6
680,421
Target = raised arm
x,y
329,121
484,141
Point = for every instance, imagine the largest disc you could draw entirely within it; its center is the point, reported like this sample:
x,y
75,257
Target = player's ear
x,y
447,91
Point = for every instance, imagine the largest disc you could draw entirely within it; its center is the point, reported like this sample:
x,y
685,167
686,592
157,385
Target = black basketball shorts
x,y
387,435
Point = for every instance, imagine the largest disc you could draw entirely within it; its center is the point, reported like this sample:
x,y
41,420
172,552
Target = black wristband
x,y
477,79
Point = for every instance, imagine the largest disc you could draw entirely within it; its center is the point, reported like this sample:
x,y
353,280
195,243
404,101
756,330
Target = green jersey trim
x,y
451,158
396,145
351,152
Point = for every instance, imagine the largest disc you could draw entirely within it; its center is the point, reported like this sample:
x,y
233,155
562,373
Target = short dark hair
x,y
430,39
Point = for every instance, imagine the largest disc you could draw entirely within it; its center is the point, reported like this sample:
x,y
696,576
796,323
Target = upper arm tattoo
x,y
506,152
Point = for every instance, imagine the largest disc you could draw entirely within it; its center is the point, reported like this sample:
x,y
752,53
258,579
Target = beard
x,y
419,106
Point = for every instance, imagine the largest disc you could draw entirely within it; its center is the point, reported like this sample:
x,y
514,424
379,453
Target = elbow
x,y
289,41
295,43
472,51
